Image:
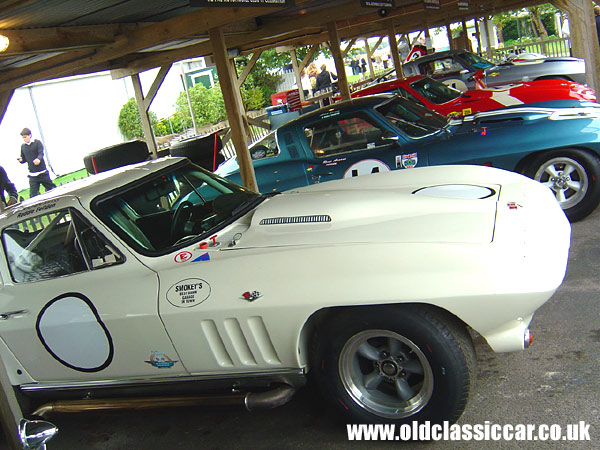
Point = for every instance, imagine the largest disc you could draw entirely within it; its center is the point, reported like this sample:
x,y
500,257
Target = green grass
x,y
82,173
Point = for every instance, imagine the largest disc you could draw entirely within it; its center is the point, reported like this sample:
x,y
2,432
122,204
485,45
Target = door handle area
x,y
317,178
8,315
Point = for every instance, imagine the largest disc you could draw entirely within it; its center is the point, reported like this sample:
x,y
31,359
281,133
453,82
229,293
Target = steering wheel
x,y
181,215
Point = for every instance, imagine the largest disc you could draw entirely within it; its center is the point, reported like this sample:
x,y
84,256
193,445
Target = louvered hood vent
x,y
295,220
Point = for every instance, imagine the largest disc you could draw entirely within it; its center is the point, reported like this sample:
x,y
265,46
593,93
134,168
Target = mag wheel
x,y
395,364
573,177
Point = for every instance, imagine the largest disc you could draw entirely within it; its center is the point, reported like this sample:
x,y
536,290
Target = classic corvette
x,y
559,147
439,97
457,67
163,278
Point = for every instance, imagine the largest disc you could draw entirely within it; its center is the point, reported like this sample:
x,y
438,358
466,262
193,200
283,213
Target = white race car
x,y
162,277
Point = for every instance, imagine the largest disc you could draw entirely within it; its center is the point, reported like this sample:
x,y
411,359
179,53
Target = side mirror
x,y
35,433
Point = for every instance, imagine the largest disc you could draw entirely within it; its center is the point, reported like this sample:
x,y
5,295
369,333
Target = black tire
x,y
554,77
116,156
400,341
578,191
200,150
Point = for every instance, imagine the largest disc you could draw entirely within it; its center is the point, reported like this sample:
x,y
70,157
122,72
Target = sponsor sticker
x,y
408,161
204,257
188,293
182,257
160,360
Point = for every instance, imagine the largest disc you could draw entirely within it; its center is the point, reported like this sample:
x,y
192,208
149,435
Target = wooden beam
x,y
308,57
248,68
369,58
45,40
233,100
334,40
297,74
348,47
146,126
146,37
393,43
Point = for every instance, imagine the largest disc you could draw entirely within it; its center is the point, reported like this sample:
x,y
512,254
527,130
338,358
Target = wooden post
x,y
488,49
393,43
369,60
143,108
478,35
336,51
5,97
583,36
235,107
449,33
297,74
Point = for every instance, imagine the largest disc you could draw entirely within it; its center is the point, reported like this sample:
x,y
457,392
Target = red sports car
x,y
445,100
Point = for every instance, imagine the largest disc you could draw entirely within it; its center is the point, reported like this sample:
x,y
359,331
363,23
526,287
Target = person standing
x,y
32,153
7,186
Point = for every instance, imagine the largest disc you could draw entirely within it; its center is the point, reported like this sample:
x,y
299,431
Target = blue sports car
x,y
559,147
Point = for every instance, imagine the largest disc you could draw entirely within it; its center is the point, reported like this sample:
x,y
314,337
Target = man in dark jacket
x,y
8,187
32,153
325,79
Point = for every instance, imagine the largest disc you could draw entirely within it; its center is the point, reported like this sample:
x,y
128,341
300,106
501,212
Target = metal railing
x,y
548,47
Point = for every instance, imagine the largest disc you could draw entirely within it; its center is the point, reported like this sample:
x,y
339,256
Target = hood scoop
x,y
295,220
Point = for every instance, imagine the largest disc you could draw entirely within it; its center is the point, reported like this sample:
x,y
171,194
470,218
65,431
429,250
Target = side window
x,y
54,245
446,65
265,148
343,135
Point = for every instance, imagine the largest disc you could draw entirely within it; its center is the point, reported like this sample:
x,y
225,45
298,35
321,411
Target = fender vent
x,y
293,220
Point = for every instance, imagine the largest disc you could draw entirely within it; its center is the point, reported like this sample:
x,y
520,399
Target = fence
x,y
549,47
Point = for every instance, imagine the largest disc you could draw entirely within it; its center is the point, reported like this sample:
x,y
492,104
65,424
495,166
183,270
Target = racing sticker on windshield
x,y
160,360
365,167
188,293
407,161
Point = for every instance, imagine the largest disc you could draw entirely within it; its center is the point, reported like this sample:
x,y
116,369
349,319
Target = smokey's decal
x,y
188,293
71,330
365,167
160,360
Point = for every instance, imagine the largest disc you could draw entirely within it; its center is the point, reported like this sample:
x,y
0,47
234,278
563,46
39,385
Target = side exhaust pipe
x,y
251,401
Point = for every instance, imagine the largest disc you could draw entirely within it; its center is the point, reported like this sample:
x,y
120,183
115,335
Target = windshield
x,y
435,91
476,61
168,209
413,119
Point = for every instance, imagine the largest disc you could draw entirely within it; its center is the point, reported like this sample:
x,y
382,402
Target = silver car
x,y
456,68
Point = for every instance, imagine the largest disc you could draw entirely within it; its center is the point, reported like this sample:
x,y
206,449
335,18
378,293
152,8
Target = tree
x,y
536,13
130,121
208,105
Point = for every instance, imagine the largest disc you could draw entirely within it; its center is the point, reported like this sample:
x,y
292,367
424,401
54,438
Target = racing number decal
x,y
182,257
365,167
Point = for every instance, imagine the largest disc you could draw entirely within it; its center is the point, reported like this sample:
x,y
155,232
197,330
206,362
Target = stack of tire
x,y
203,151
116,156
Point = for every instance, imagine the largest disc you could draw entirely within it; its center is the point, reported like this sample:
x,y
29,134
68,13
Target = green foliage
x,y
130,122
208,106
253,98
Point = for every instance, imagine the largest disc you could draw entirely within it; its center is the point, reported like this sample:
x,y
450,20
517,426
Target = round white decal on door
x,y
188,293
365,167
72,331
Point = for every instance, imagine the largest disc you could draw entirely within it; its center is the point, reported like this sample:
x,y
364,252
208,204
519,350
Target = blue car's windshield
x,y
412,119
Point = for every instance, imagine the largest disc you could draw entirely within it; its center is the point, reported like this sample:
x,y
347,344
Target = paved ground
x,y
554,381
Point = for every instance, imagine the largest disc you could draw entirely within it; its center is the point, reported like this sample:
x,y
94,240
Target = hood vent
x,y
295,220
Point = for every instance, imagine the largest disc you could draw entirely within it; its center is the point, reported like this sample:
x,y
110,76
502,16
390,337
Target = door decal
x,y
71,330
188,293
365,167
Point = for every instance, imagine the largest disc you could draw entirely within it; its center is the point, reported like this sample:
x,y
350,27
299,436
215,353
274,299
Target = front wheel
x,y
395,365
574,178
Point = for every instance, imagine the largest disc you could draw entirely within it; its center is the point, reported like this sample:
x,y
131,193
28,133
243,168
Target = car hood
x,y
454,204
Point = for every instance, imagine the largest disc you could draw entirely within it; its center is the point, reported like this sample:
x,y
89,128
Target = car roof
x,y
86,189
359,102
436,55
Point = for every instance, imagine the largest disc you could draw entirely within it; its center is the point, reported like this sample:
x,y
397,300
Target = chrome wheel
x,y
566,177
385,373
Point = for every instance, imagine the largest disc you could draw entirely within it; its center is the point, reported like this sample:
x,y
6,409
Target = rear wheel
x,y
116,156
574,178
396,365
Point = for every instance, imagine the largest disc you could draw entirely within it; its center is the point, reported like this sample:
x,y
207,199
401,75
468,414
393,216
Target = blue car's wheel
x,y
574,178
395,364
